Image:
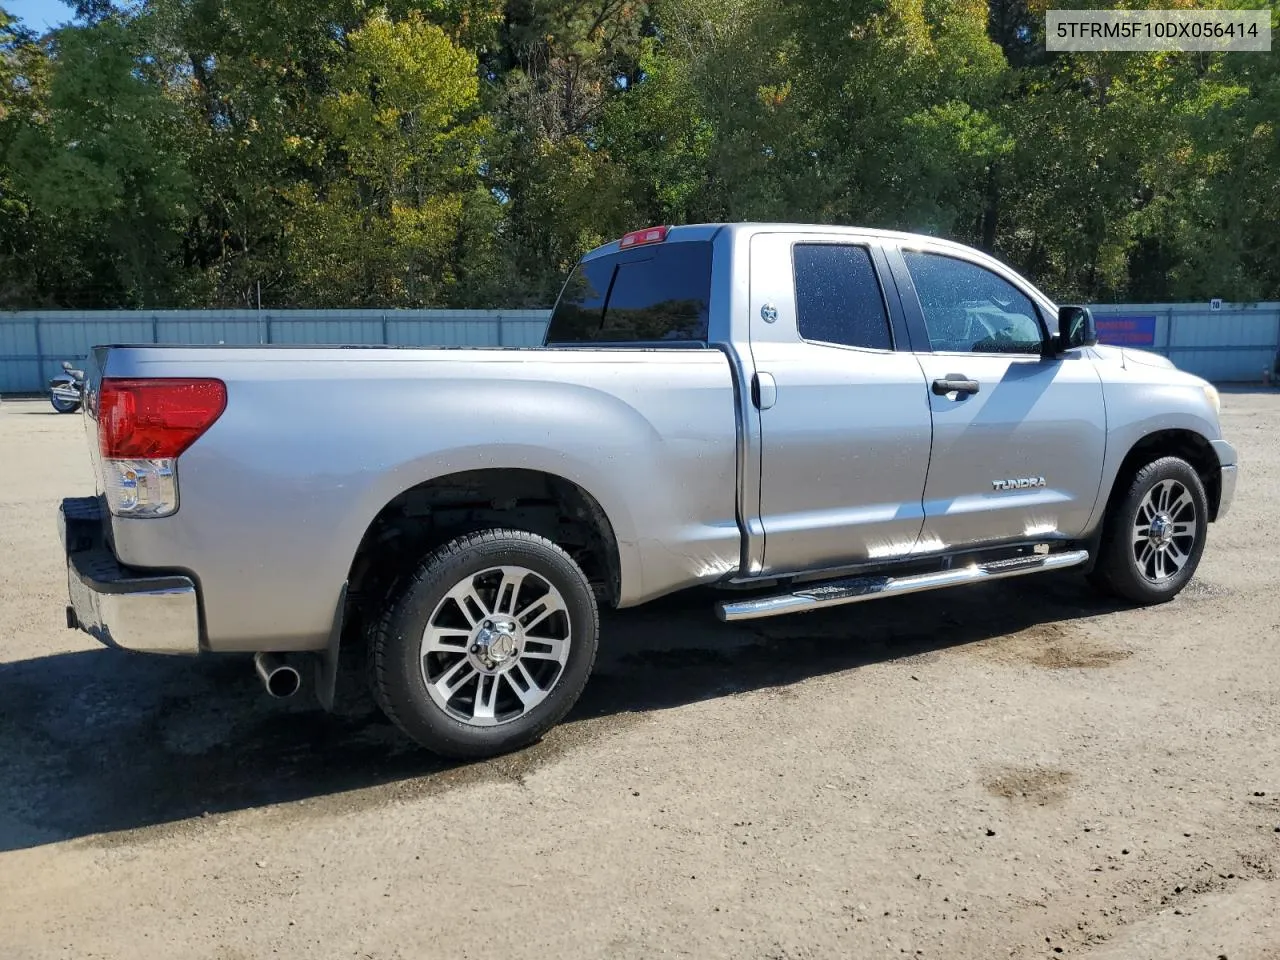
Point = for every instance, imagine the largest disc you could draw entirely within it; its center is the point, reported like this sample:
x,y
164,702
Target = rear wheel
x,y
64,406
1155,535
487,646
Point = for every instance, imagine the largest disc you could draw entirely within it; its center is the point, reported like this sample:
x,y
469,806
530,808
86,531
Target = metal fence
x,y
1224,342
1234,343
34,344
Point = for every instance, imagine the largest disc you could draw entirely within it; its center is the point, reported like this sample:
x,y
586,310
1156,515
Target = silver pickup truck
x,y
799,416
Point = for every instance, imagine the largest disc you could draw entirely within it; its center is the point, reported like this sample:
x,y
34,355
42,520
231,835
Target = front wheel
x,y
64,406
487,646
1155,535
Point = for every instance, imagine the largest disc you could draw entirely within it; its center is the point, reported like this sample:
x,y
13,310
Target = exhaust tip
x,y
284,683
279,678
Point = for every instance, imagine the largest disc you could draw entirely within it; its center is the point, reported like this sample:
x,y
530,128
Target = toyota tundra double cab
x,y
805,416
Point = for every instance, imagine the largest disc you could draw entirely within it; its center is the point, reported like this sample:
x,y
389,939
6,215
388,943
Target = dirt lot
x,y
1015,771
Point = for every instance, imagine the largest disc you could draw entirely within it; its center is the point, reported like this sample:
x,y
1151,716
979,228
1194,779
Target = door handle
x,y
955,383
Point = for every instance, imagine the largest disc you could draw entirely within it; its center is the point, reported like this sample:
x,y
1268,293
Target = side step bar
x,y
857,589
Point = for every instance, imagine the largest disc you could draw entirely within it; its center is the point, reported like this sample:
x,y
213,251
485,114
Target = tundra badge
x,y
1017,483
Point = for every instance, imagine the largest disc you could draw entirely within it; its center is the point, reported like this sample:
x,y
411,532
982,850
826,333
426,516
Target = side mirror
x,y
1075,329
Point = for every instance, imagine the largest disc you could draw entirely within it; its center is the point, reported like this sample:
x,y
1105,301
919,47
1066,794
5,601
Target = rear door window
x,y
657,293
838,298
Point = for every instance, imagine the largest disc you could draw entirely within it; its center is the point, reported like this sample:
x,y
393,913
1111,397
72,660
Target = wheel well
x,y
1186,444
432,513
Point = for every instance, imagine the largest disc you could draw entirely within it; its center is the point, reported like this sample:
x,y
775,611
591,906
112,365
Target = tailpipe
x,y
280,679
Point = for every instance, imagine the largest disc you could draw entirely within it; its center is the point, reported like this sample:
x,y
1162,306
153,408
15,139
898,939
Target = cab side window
x,y
969,309
838,298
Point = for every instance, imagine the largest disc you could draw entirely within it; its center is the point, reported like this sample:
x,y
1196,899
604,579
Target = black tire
x,y
398,666
1119,570
64,406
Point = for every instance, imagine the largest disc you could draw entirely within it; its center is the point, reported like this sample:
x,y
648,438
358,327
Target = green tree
x,y
466,152
404,142
555,70
1206,223
23,74
102,163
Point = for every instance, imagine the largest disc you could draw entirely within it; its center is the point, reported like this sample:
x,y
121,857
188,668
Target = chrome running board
x,y
856,589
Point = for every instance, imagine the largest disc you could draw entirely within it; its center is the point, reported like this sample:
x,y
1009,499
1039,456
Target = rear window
x,y
655,293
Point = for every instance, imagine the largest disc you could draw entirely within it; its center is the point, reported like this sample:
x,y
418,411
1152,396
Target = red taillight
x,y
155,419
637,238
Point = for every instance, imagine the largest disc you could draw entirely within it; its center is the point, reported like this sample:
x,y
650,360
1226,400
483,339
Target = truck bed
x,y
277,496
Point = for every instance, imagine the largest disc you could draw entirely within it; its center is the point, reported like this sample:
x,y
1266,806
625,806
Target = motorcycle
x,y
66,390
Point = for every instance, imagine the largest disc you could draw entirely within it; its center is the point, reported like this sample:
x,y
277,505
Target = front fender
x,y
1143,400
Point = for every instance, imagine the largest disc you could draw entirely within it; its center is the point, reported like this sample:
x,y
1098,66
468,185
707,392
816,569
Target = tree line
x,y
420,153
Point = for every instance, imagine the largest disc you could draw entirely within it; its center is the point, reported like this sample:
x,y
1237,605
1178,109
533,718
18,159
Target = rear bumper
x,y
118,606
1227,461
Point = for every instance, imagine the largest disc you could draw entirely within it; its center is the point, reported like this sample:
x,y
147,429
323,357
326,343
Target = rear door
x,y
844,415
1019,456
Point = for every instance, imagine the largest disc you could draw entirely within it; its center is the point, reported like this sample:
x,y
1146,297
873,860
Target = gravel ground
x,y
1016,770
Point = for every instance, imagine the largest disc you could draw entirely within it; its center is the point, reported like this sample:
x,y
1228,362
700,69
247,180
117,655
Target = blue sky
x,y
39,15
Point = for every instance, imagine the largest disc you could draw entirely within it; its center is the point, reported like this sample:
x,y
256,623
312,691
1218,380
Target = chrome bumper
x,y
149,613
1227,461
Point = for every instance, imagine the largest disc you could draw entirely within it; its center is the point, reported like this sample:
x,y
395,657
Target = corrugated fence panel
x,y
34,343
315,330
525,329
455,329
211,327
1231,344
19,355
1235,366
1236,343
1237,328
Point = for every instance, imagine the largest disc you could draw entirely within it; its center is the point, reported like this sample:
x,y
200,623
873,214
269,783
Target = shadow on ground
x,y
103,741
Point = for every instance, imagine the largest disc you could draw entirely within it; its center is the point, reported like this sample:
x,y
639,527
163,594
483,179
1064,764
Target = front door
x,y
1018,439
844,416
